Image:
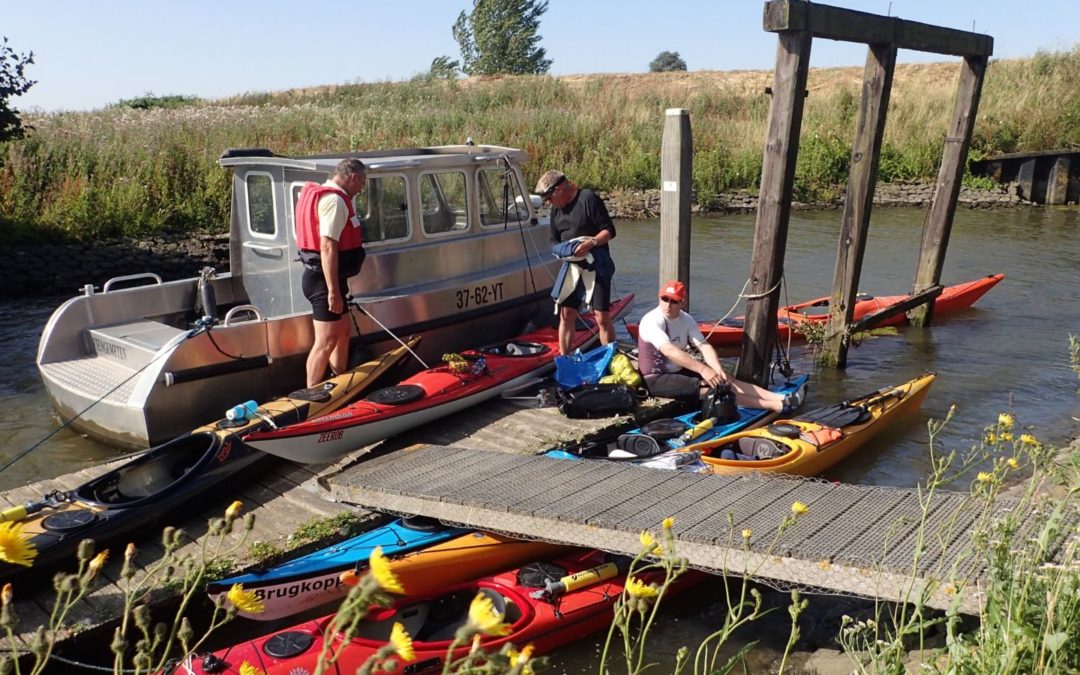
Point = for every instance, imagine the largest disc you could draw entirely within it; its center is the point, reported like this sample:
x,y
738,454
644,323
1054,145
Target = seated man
x,y
664,334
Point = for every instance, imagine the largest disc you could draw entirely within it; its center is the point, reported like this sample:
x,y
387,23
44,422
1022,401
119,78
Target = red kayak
x,y
544,620
729,333
482,374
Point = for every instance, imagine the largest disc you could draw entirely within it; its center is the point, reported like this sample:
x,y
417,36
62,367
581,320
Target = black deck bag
x,y
597,400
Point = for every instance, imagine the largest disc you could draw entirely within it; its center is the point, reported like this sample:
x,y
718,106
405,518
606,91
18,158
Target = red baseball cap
x,y
673,289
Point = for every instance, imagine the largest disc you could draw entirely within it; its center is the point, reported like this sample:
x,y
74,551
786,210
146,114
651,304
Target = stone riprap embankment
x,y
63,269
634,204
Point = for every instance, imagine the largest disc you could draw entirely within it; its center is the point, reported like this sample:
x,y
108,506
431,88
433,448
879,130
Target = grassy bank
x,y
132,171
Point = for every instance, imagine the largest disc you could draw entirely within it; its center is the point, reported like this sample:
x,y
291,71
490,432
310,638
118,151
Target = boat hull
x,y
365,422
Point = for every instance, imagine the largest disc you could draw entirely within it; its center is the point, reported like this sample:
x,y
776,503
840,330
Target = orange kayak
x,y
809,444
730,332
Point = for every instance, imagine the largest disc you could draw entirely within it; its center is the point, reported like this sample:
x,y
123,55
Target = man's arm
x,y
710,373
328,252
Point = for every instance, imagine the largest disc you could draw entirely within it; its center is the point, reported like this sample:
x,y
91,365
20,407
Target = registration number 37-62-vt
x,y
479,295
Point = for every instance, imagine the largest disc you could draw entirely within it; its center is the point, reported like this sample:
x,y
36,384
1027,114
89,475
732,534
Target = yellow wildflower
x,y
15,546
245,601
984,477
234,509
485,618
669,522
521,659
384,576
640,589
248,669
1013,463
1005,421
7,594
747,533
98,562
1028,439
991,437
798,508
647,541
129,552
403,646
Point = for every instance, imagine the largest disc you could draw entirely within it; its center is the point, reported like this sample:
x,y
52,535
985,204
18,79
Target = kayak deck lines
x,y
839,544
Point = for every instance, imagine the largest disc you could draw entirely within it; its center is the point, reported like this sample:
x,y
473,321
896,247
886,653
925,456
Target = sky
x,y
90,54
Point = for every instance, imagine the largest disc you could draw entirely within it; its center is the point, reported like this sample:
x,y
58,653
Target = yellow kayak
x,y
811,443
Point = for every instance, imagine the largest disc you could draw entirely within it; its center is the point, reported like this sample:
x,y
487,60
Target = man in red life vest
x,y
331,248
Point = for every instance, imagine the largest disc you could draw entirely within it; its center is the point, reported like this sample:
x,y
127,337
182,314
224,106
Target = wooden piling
x,y
676,177
935,237
1025,179
855,223
774,202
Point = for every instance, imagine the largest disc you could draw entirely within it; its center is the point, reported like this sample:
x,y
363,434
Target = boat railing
x,y
131,277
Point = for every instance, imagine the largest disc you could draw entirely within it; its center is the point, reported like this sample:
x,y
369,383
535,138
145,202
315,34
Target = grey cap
x,y
548,180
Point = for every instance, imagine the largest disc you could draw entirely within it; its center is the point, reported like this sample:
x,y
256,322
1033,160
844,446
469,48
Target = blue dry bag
x,y
577,369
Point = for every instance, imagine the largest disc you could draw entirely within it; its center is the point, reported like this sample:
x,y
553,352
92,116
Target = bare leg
x,y
607,329
319,357
752,396
339,357
567,327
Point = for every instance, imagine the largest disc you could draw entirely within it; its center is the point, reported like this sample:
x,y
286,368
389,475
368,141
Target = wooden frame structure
x,y
797,23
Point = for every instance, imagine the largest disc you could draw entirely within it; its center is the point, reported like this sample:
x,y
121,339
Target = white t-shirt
x,y
333,213
655,330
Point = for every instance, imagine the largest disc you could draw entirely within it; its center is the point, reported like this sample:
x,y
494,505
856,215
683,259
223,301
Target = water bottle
x,y
242,411
693,432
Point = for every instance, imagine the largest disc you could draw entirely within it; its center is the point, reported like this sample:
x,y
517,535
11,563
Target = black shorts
x,y
601,297
315,290
684,385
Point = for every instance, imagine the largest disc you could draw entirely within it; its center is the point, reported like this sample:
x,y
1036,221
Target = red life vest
x,y
307,219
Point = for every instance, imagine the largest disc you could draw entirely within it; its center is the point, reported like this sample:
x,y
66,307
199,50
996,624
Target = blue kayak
x,y
313,579
659,444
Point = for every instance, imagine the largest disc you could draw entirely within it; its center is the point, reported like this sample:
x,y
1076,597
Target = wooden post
x,y
676,177
855,224
774,202
935,237
1057,186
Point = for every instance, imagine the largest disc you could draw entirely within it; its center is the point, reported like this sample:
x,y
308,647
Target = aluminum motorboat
x,y
457,252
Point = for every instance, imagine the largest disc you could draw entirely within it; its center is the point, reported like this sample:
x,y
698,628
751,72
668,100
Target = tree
x,y
499,36
13,83
444,68
666,62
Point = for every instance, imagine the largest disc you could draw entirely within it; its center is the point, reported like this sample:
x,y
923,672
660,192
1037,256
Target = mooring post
x,y
676,178
774,202
855,224
935,236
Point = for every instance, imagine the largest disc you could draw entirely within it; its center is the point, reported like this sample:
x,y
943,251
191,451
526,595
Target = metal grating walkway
x,y
858,540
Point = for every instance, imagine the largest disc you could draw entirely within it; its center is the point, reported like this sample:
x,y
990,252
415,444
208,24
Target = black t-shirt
x,y
583,217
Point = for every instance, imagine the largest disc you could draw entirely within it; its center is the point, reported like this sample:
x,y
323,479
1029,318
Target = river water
x,y
1008,353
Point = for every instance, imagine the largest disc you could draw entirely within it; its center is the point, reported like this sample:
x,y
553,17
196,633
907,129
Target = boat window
x,y
385,205
260,203
443,202
499,196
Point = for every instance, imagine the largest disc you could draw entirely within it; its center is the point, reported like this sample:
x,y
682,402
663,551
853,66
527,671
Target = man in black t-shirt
x,y
579,212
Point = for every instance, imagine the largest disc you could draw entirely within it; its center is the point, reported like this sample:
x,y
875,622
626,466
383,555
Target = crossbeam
x,y
837,23
871,320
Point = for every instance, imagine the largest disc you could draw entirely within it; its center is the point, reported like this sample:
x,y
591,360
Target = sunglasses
x,y
670,301
546,194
